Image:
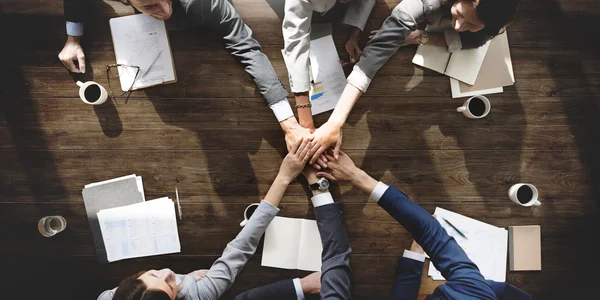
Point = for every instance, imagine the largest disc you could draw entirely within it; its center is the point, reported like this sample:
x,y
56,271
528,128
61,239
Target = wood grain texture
x,y
212,135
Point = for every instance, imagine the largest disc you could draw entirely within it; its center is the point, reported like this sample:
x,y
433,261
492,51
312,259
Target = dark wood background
x,y
212,135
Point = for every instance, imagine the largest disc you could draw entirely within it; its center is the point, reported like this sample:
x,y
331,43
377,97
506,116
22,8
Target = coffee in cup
x,y
248,213
476,107
92,93
524,194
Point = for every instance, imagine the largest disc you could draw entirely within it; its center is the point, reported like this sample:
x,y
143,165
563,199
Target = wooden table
x,y
212,136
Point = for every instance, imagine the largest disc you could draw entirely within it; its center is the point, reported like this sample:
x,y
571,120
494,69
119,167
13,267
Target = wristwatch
x,y
321,184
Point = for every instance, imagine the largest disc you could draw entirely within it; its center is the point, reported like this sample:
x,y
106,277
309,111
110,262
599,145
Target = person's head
x,y
489,16
160,9
148,285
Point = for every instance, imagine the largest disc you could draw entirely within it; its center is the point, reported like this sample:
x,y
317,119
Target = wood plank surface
x,y
212,135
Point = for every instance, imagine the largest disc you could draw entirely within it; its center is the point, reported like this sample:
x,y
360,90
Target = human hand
x,y
353,50
294,132
311,284
340,169
416,248
295,160
310,173
325,137
71,52
198,274
373,33
414,38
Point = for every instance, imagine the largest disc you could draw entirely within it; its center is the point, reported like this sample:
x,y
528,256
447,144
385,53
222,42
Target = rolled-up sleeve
x,y
405,18
358,13
296,37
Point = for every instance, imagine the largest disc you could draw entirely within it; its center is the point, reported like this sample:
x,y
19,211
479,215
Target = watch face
x,y
324,184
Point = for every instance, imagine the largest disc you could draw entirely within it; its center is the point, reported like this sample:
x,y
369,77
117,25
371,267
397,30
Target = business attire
x,y
237,36
464,280
224,270
406,17
335,269
296,33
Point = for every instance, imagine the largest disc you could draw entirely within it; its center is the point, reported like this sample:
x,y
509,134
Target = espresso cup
x,y
248,213
475,107
524,194
92,93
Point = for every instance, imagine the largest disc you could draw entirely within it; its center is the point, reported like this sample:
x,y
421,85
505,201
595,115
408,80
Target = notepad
x,y
138,230
463,65
525,248
292,243
496,71
106,194
142,41
486,245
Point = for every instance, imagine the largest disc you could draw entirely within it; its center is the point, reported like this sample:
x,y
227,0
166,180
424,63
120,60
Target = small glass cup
x,y
51,225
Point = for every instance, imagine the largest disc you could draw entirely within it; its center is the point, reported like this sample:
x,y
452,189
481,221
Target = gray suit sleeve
x,y
358,12
405,18
220,15
335,268
224,270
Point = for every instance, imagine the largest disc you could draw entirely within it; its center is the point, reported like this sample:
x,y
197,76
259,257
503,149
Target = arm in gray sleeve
x,y
405,18
220,15
358,12
224,270
296,39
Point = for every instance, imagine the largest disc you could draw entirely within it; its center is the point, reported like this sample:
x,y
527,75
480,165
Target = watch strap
x,y
314,186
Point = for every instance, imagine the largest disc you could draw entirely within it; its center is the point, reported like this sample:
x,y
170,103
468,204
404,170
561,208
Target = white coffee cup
x,y
465,109
513,194
88,90
247,211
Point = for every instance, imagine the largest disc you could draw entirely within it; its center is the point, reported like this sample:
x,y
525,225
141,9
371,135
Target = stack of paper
x,y
124,225
486,245
111,193
479,71
138,230
292,244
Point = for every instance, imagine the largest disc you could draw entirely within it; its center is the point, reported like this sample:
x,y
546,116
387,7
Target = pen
x,y
150,66
178,205
462,234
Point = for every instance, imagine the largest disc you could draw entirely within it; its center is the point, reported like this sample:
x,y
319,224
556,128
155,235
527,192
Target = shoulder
x,y
107,295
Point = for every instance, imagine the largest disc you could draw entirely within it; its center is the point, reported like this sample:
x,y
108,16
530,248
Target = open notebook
x,y
463,65
142,41
292,243
138,230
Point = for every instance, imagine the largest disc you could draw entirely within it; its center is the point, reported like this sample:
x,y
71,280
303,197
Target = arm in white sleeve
x,y
282,109
378,191
298,287
321,199
296,38
75,28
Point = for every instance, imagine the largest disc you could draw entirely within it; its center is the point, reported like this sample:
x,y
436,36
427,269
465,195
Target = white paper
x,y
486,245
454,86
434,55
292,243
138,230
138,41
138,180
464,65
327,75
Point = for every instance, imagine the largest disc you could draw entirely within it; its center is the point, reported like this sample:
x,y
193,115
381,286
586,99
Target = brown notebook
x,y
525,248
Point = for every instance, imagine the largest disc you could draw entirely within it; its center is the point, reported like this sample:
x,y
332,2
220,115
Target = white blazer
x,y
296,33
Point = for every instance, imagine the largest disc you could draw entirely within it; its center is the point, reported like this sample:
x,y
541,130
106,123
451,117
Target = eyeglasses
x,y
112,70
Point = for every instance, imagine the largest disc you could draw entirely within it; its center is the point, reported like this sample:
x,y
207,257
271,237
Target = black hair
x,y
496,14
132,288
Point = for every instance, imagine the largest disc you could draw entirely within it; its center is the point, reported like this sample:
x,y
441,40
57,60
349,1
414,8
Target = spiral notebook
x,y
142,41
